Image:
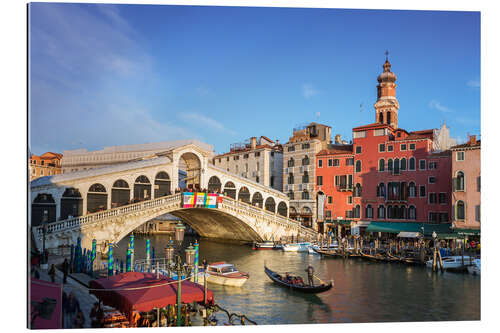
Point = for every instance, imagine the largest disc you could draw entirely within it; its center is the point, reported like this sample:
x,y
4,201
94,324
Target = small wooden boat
x,y
332,254
278,279
372,257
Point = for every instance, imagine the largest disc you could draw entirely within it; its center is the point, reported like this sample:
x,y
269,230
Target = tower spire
x,y
386,107
386,55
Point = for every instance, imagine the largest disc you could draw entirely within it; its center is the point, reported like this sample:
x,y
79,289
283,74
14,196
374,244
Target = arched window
x,y
460,181
97,188
214,184
389,165
305,195
381,165
402,213
381,117
403,164
244,194
412,213
290,178
395,212
305,160
369,211
411,165
305,177
230,190
357,190
396,165
381,190
460,210
381,212
282,208
291,162
357,211
257,199
412,190
358,166
270,205
389,212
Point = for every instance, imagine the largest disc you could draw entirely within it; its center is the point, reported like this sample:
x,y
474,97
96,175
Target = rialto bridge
x,y
108,203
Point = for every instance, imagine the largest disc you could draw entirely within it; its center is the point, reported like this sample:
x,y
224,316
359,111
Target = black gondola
x,y
328,253
302,288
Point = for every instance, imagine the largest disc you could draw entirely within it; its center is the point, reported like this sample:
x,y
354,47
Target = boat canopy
x,y
415,227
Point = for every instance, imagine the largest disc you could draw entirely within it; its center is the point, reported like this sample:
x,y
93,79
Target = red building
x,y
397,176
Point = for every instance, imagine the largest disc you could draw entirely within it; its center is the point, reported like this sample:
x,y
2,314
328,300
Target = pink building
x,y
466,195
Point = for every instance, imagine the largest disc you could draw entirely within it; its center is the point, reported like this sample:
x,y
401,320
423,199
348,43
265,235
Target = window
x,y
328,214
330,199
381,147
390,212
459,182
478,213
337,181
257,154
336,162
305,178
442,198
360,134
381,165
460,210
305,160
305,195
396,166
412,146
349,161
43,162
291,148
357,190
257,179
357,212
433,217
290,195
358,166
412,213
227,159
381,212
403,164
421,164
320,163
432,165
236,158
460,156
390,148
432,198
369,211
319,180
403,147
290,178
432,180
381,190
348,214
411,165
389,164
330,162
291,163
422,191
349,200
443,217
306,146
245,156
478,183
412,190
358,149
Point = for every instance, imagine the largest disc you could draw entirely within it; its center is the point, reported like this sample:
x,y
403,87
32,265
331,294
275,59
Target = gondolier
x,y
310,274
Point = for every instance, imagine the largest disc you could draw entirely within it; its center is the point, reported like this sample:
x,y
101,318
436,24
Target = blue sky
x,y
125,74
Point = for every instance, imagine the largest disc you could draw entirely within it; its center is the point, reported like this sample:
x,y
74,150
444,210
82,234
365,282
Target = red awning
x,y
127,300
46,304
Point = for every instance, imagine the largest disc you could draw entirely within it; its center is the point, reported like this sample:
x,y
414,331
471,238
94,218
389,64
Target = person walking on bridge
x,y
310,274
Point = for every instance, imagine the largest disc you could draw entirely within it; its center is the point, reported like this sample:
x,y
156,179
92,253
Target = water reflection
x,y
363,291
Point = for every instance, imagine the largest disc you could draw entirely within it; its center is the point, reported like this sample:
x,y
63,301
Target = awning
x,y
475,232
397,227
125,291
45,304
409,234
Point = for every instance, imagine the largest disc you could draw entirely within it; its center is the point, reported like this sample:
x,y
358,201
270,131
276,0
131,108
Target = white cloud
x,y
203,121
309,91
474,83
433,104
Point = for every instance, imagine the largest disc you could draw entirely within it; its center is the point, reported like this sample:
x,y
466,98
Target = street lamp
x,y
179,232
169,255
44,229
190,253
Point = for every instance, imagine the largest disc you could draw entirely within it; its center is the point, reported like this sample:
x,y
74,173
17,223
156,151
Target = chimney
x,y
253,142
472,140
337,139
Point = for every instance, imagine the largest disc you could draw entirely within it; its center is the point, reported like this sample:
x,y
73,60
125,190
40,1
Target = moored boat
x,y
296,247
267,245
451,262
475,268
225,274
299,285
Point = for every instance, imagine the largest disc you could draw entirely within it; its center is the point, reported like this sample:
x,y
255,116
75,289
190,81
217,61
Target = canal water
x,y
363,291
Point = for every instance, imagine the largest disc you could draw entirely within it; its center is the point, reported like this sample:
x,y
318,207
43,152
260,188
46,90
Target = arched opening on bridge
x,y
189,171
270,205
282,209
43,209
142,188
120,193
257,199
162,184
230,190
293,213
306,216
214,184
244,194
71,203
97,198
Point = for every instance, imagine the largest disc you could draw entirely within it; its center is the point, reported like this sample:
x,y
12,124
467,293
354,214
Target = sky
x,y
103,75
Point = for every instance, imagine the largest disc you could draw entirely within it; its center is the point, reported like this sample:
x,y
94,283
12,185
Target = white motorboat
x,y
333,246
225,274
475,268
451,262
267,245
296,247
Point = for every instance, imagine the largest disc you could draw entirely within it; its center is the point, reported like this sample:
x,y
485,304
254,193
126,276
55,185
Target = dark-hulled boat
x,y
328,253
302,288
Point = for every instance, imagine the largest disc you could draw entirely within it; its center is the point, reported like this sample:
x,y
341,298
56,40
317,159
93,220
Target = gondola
x,y
302,288
332,254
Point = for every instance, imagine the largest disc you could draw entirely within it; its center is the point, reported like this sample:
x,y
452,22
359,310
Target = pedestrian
x,y
52,273
65,270
96,315
72,309
79,320
310,274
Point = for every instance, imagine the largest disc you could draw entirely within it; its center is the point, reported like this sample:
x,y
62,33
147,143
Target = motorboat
x,y
267,245
475,268
332,246
451,262
225,274
296,247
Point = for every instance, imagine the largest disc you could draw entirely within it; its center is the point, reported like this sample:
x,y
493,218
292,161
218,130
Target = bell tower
x,y
387,106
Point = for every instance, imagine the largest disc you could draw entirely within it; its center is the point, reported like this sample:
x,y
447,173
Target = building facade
x,y
48,164
466,195
259,159
299,172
